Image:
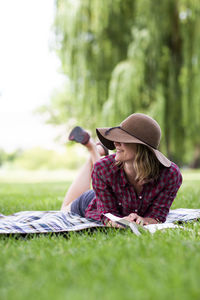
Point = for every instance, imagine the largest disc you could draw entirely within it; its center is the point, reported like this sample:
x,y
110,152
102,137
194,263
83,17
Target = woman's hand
x,y
133,217
113,224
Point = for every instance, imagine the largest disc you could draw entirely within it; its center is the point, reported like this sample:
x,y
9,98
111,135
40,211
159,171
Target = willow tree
x,y
92,37
190,79
161,72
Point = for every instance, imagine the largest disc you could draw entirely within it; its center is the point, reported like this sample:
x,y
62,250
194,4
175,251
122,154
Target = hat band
x,y
107,132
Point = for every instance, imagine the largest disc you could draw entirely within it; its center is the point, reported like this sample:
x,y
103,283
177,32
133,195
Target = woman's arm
x,y
171,182
105,200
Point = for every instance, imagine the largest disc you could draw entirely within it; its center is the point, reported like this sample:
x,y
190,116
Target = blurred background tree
x,y
91,38
127,56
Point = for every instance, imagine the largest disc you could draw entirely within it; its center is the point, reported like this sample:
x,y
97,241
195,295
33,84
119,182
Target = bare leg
x,y
80,185
82,182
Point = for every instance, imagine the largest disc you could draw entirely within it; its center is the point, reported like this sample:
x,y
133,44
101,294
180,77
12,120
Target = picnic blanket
x,y
28,222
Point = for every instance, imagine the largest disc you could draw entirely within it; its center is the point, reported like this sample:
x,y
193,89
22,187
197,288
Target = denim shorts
x,y
79,205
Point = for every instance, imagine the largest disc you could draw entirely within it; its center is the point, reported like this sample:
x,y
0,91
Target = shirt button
x,y
140,197
136,210
119,203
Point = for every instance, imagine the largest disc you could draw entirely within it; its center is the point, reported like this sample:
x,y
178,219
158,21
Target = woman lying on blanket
x,y
137,182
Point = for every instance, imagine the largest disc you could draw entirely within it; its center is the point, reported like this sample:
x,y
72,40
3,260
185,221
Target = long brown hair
x,y
146,165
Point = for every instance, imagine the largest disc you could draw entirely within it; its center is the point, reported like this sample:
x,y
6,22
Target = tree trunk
x,y
196,159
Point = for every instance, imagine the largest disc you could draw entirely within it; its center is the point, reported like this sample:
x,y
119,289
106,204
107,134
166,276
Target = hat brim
x,y
108,137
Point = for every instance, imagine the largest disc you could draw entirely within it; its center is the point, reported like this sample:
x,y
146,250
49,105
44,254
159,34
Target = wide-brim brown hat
x,y
137,128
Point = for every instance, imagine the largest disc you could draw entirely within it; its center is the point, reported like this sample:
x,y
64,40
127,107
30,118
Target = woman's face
x,y
125,151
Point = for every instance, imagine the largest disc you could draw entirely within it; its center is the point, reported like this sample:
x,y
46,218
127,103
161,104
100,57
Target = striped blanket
x,y
26,222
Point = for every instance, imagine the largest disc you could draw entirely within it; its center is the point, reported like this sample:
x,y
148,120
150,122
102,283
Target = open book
x,y
138,229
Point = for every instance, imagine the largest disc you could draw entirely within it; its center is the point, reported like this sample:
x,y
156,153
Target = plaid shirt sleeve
x,y
105,198
171,183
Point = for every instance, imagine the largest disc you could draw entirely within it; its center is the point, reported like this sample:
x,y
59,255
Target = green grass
x,y
100,265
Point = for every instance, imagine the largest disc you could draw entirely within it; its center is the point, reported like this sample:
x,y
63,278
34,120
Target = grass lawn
x,y
102,265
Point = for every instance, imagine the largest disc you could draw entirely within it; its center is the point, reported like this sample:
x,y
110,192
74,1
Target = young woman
x,y
137,182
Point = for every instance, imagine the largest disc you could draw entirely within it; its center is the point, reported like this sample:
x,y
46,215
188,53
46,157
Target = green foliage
x,y
159,58
110,265
89,46
9,157
2,156
127,82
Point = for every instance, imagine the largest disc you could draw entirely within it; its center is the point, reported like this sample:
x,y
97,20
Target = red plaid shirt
x,y
116,195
